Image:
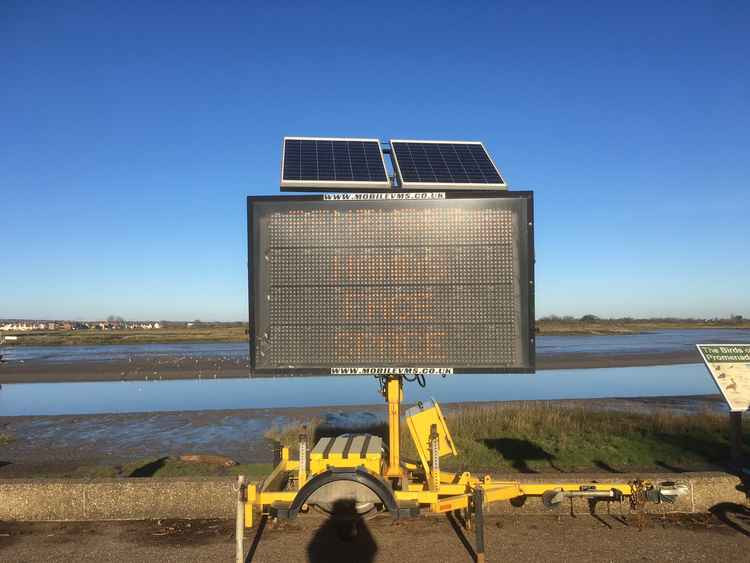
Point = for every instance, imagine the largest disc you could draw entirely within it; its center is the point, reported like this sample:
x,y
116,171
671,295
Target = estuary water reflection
x,y
143,396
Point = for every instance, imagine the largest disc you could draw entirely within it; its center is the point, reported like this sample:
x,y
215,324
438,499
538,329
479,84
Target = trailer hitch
x,y
665,492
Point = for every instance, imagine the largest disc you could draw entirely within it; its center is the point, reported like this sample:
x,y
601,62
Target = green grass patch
x,y
157,468
539,437
170,467
631,326
5,439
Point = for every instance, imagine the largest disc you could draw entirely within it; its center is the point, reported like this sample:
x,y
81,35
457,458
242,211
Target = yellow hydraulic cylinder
x,y
394,396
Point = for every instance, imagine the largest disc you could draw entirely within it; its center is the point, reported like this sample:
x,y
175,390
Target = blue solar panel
x,y
335,162
453,164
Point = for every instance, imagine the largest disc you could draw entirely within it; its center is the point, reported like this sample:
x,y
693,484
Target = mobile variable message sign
x,y
367,283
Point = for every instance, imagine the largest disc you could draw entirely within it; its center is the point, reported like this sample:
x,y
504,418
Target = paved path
x,y
724,537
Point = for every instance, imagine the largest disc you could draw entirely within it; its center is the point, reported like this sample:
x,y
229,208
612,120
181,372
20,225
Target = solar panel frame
x,y
318,185
502,185
254,283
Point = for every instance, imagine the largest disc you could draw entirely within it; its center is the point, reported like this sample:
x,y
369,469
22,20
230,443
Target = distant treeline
x,y
120,320
593,318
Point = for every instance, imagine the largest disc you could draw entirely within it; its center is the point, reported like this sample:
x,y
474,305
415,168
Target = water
x,y
268,393
656,342
663,341
140,396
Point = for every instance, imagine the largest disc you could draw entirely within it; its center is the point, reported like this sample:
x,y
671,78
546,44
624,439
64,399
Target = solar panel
x,y
352,283
313,162
427,164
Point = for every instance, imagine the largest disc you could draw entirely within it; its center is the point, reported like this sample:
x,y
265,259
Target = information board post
x,y
729,366
735,436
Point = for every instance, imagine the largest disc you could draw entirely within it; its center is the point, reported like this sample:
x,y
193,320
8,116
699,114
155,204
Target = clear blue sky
x,y
132,132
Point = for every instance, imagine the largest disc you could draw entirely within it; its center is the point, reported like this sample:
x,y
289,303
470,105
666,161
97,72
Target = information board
x,y
729,366
376,282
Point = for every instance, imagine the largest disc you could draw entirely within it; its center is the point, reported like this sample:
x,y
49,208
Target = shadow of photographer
x,y
344,537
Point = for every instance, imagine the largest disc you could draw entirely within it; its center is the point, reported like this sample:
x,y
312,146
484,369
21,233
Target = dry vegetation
x,y
539,437
93,337
237,332
567,325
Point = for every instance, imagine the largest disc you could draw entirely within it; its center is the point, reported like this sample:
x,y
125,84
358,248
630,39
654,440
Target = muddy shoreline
x,y
222,368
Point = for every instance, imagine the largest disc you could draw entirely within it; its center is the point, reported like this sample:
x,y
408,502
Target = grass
x,y
617,326
94,337
171,467
532,437
538,437
5,439
164,467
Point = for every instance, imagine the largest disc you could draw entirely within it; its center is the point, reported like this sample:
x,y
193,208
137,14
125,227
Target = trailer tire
x,y
359,475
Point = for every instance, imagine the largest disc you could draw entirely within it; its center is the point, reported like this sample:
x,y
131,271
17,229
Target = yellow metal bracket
x,y
422,422
250,496
394,394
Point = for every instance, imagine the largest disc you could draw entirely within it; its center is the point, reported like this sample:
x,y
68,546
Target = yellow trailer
x,y
355,475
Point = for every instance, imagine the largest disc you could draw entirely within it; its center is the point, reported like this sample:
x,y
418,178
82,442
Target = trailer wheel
x,y
355,484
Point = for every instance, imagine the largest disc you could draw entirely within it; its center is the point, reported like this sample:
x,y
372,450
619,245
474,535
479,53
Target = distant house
x,y
17,327
157,325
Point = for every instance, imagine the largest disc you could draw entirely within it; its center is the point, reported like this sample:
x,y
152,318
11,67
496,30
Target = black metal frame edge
x,y
532,282
317,194
250,284
318,190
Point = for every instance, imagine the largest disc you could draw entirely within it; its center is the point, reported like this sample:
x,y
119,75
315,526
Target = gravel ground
x,y
724,536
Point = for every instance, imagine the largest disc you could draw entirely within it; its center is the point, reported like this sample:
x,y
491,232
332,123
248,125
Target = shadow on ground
x,y
256,539
344,538
520,452
733,515
670,467
150,469
604,466
459,527
711,449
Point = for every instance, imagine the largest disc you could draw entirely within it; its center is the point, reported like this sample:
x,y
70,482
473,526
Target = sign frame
x,y
253,273
714,376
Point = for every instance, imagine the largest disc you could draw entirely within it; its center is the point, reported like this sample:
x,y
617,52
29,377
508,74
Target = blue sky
x,y
132,132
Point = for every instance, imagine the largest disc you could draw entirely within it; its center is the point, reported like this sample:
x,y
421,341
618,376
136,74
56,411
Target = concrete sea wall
x,y
190,498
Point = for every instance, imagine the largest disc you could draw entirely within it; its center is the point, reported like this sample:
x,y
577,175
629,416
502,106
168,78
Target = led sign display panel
x,y
357,283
